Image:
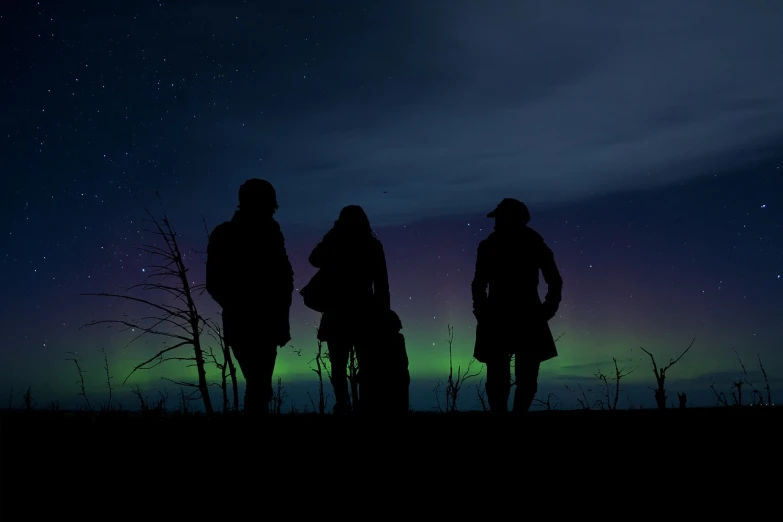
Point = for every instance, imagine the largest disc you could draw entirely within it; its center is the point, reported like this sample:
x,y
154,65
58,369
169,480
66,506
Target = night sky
x,y
645,137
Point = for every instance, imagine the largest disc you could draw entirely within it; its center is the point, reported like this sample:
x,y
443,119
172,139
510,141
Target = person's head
x,y
257,196
509,213
354,221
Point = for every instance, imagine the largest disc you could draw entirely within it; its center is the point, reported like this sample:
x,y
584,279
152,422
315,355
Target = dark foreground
x,y
76,454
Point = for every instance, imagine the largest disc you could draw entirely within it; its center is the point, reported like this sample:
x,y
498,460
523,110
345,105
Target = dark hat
x,y
511,208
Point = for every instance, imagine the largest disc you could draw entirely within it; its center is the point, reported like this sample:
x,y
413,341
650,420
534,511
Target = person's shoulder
x,y
489,241
221,231
275,228
534,236
537,243
376,244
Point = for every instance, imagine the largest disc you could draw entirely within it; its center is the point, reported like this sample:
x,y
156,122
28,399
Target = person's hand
x,y
549,310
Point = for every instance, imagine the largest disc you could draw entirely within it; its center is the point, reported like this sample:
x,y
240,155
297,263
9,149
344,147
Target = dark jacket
x,y
358,281
511,317
250,277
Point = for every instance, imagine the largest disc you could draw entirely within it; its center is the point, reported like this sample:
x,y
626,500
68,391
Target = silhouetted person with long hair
x,y
354,264
512,320
250,277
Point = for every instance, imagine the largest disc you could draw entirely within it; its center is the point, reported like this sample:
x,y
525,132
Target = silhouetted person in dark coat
x,y
385,379
354,264
512,320
250,277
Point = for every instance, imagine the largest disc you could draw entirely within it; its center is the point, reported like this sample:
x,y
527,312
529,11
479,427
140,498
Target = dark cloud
x,y
448,109
418,110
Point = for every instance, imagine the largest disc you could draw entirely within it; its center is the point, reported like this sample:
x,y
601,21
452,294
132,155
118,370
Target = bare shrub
x,y
455,382
660,376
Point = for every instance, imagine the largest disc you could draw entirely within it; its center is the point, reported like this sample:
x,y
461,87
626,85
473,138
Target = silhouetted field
x,y
78,455
75,430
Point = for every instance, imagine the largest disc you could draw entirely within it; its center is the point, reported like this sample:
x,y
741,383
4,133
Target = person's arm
x,y
554,281
282,280
318,257
381,280
480,281
288,272
216,265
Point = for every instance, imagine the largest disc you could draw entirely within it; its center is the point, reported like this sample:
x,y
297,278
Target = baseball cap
x,y
511,207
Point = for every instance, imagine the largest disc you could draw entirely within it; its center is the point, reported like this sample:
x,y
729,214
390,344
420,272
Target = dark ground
x,y
66,454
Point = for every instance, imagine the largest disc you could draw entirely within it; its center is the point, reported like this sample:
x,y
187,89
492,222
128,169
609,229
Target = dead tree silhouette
x,y
27,400
107,406
353,380
738,395
583,401
745,380
481,395
547,404
226,367
80,382
660,376
766,382
611,402
455,381
720,396
179,321
320,368
738,385
279,395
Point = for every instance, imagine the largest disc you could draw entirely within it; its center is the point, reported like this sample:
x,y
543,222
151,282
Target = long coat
x,y
358,284
511,317
251,278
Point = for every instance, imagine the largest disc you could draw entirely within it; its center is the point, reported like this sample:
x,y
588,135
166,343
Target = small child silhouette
x,y
386,380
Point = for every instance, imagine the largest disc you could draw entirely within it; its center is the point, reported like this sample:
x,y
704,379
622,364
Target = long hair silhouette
x,y
354,221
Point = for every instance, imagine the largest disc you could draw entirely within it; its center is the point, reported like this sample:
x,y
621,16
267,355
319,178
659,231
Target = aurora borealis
x,y
660,192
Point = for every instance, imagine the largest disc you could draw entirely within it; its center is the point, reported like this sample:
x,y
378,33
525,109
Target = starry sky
x,y
645,138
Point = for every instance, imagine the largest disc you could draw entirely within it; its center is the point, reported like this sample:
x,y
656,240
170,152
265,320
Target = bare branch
x,y
80,382
720,396
162,308
108,376
766,382
672,363
455,382
583,401
144,330
660,375
156,356
181,383
548,403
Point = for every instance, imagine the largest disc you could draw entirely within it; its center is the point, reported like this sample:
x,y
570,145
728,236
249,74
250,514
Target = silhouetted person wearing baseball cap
x,y
512,320
250,277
